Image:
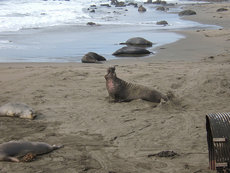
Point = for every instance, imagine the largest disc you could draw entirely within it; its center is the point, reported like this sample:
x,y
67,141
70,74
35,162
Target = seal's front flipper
x,y
55,147
12,159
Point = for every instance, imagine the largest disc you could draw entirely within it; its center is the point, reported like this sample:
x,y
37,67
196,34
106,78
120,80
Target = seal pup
x,y
20,110
120,90
13,150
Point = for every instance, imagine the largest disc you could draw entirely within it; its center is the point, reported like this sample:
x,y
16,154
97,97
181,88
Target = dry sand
x,y
102,137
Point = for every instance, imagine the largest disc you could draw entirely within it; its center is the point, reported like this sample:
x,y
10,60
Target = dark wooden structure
x,y
218,138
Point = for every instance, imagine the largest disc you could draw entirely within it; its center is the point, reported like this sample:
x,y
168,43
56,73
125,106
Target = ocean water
x,y
57,30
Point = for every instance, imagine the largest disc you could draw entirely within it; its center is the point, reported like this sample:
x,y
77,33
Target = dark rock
x,y
133,4
93,6
163,22
105,5
114,2
91,23
171,4
131,51
164,154
149,2
221,9
160,2
138,41
92,11
211,57
141,9
187,12
92,57
161,8
120,4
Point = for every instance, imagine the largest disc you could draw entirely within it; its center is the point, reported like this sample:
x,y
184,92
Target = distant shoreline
x,y
68,43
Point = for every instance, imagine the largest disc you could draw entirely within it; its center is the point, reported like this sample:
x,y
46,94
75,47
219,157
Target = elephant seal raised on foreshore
x,y
138,41
20,110
92,57
120,90
131,51
14,150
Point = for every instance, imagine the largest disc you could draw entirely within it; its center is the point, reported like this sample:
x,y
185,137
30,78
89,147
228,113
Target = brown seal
x,y
120,90
13,150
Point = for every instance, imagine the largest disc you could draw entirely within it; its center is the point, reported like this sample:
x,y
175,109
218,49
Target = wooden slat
x,y
225,164
219,139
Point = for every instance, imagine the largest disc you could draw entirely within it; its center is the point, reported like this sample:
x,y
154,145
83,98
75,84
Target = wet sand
x,y
103,137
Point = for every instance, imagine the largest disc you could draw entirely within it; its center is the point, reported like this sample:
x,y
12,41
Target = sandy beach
x,y
73,108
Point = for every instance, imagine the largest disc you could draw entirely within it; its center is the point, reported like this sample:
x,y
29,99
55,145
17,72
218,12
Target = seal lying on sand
x,y
138,41
12,151
17,110
131,51
120,90
92,57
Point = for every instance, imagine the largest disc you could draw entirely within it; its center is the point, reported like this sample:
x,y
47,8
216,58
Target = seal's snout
x,y
110,73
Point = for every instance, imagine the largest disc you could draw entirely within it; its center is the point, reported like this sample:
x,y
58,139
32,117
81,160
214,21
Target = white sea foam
x,y
23,14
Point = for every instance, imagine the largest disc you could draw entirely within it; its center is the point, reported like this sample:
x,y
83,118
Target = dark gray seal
x,y
138,41
163,22
92,57
120,90
187,13
14,150
141,9
20,110
131,51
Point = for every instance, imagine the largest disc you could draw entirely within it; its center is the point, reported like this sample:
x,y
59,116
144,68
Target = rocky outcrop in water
x,y
117,3
105,5
159,2
162,8
132,4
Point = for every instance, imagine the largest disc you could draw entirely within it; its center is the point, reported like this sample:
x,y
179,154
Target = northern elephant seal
x,y
120,90
138,41
14,150
141,9
131,51
92,57
20,110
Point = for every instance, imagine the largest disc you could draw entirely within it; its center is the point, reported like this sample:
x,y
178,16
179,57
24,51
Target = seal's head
x,y
27,114
110,73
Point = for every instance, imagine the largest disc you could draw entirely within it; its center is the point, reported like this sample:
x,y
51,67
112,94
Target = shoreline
x,y
69,43
100,136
